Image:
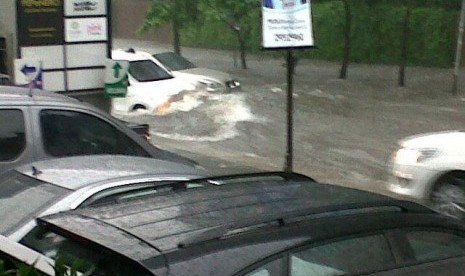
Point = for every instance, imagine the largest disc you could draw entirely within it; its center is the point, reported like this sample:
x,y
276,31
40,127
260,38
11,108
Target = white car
x,y
150,83
55,185
207,79
14,254
430,169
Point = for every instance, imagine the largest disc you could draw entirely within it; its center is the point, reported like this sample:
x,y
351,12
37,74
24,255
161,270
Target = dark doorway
x,y
3,68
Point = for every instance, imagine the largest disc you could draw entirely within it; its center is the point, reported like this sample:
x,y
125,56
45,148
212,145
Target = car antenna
x,y
35,171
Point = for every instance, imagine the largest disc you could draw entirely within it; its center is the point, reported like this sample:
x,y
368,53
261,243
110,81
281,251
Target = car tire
x,y
139,107
448,196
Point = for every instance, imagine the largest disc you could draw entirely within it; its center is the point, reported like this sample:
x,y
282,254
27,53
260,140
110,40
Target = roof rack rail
x,y
288,176
240,227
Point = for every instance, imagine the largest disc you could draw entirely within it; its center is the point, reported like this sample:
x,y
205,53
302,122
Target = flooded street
x,y
345,130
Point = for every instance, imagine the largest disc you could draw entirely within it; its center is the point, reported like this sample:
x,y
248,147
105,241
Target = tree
x,y
176,12
347,40
235,14
459,49
404,43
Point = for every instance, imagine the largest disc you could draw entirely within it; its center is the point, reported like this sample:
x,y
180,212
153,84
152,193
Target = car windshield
x,y
22,198
174,62
147,70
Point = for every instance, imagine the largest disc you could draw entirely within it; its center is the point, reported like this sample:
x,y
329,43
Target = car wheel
x,y
448,197
138,107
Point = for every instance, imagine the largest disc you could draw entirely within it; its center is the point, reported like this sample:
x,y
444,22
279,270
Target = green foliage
x,y
164,11
61,268
376,30
4,271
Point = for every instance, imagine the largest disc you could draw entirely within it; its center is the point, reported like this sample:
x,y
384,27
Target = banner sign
x,y
287,24
85,7
40,22
29,73
86,29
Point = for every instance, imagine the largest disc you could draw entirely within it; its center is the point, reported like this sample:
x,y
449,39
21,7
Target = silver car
x,y
208,79
56,185
38,125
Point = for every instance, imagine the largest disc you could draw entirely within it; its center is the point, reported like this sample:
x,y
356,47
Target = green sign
x,y
116,78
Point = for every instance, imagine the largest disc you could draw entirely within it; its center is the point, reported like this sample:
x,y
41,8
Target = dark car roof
x,y
177,220
78,171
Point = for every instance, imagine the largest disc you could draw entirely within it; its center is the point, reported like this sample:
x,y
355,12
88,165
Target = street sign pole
x,y
288,167
287,25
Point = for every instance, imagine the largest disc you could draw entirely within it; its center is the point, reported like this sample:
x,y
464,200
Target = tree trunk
x,y
458,52
404,42
347,40
242,49
176,36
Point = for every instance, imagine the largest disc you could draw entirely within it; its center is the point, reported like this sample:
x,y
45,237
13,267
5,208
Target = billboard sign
x,y
29,73
287,24
85,7
40,22
86,29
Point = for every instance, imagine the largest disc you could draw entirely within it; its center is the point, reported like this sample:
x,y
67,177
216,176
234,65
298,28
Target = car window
x,y
68,133
348,256
173,61
22,198
91,257
274,268
12,134
427,245
147,70
445,267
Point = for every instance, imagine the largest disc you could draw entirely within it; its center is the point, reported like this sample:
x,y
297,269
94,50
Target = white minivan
x,y
150,83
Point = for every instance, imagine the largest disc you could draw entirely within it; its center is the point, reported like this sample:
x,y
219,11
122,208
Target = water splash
x,y
226,110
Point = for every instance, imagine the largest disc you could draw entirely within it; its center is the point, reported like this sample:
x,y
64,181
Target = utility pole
x,y
458,53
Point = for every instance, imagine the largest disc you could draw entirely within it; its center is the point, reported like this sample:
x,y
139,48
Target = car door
x,y
16,137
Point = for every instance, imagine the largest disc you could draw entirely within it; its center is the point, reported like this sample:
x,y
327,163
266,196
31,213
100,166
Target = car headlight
x,y
210,85
407,156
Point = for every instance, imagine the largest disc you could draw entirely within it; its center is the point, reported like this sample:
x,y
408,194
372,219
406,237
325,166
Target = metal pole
x,y
290,111
458,53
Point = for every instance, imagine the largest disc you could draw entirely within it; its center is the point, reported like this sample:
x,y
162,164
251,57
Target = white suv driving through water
x,y
150,83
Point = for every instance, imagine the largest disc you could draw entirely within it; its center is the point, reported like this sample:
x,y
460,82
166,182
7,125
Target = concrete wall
x,y
8,30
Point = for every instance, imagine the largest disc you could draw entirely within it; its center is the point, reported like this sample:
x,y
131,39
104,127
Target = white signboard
x,y
287,24
86,29
85,7
28,73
